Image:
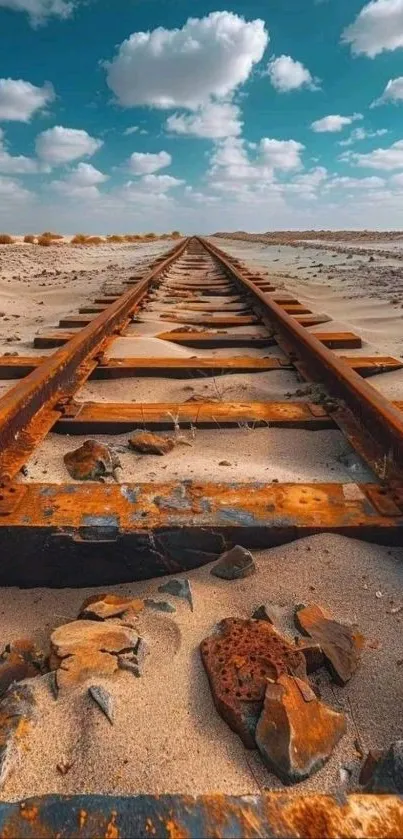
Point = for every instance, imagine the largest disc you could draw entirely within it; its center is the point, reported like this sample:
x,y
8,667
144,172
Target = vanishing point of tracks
x,y
93,533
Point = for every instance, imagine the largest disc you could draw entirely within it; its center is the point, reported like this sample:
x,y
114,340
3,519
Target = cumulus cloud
x,y
159,183
144,163
333,123
12,191
393,92
213,121
60,145
40,10
281,154
15,164
287,74
361,134
19,99
169,68
346,182
387,159
378,27
86,175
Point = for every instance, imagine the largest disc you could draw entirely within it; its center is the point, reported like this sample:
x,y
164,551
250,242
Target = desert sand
x,y
167,736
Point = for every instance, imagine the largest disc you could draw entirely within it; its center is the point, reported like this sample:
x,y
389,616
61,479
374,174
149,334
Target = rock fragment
x,y
160,605
341,644
145,442
100,607
20,660
103,699
92,461
234,564
239,659
178,588
84,649
369,765
387,777
296,733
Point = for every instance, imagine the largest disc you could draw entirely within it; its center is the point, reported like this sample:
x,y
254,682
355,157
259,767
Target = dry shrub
x,y
175,234
5,239
79,239
151,236
94,240
29,239
165,236
116,238
44,241
49,235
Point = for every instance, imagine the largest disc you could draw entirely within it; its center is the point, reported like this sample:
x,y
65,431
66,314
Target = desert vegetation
x,y
5,239
29,239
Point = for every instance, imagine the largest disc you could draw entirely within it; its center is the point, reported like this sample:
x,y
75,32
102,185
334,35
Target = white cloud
x,y
82,182
11,190
361,134
143,163
397,181
40,10
19,100
215,120
158,183
287,74
86,175
60,145
357,183
131,130
393,92
386,159
333,123
378,27
306,185
15,164
169,68
281,154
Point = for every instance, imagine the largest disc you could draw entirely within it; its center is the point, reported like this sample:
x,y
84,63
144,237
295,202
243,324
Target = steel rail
x,y
376,416
28,411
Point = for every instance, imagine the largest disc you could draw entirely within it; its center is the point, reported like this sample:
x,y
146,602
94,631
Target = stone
x,y
20,660
296,733
268,612
239,659
178,588
370,763
17,710
387,777
103,699
147,443
91,461
100,607
160,605
83,649
341,645
234,564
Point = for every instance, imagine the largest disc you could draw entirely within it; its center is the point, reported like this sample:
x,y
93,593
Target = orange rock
x,y
91,461
90,648
103,606
147,443
296,733
340,644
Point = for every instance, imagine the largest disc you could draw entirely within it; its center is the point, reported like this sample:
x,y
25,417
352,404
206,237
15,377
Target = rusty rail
x,y
28,411
377,418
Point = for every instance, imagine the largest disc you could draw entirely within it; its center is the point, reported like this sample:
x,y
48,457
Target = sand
x,y
167,735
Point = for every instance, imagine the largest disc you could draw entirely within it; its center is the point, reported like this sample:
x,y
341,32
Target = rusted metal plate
x,y
339,340
53,537
371,365
262,816
310,320
73,321
51,340
101,417
295,309
211,340
219,321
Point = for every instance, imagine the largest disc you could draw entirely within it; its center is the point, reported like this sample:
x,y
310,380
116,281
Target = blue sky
x,y
135,115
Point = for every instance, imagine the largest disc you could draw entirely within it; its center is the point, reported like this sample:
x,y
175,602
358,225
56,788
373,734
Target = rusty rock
x,y
370,763
85,648
238,660
91,461
234,564
147,443
20,660
296,733
341,644
388,772
100,607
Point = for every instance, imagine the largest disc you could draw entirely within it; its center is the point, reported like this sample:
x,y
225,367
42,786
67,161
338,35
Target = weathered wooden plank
x,y
220,321
218,340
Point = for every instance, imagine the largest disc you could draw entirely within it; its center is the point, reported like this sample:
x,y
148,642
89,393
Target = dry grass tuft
x,y
49,235
175,234
5,239
29,239
150,236
44,241
115,238
79,239
94,240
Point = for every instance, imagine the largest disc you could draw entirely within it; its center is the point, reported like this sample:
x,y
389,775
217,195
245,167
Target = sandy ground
x,y
167,735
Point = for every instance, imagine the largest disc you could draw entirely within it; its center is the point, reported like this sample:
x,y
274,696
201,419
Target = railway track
x,y
210,320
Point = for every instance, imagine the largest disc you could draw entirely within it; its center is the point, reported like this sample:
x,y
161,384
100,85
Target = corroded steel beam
x,y
375,416
28,410
78,534
269,814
